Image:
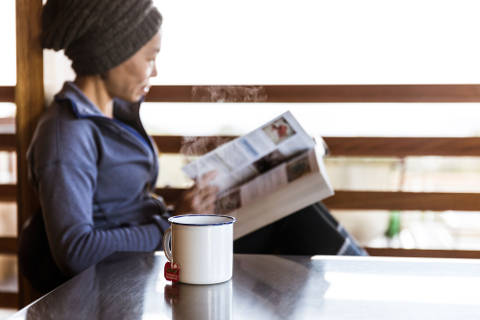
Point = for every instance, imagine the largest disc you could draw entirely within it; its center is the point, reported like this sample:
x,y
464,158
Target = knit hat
x,y
98,35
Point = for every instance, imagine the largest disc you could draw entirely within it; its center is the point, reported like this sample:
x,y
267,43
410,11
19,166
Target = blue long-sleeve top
x,y
94,177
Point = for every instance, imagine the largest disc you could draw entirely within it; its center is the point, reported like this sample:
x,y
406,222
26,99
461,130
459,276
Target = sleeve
x,y
66,184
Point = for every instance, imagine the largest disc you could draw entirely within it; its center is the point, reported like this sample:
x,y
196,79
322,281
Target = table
x,y
132,286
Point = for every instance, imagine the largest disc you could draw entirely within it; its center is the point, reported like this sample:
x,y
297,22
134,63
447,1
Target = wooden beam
x,y
8,193
342,146
8,142
9,300
402,147
29,98
317,93
391,252
7,94
8,245
172,144
365,146
170,195
354,200
376,200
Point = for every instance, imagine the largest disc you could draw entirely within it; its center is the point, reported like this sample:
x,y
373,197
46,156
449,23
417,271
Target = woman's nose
x,y
154,71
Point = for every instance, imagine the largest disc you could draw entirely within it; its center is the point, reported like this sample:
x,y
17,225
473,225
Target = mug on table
x,y
201,246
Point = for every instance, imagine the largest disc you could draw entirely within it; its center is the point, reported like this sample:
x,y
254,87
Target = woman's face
x,y
131,79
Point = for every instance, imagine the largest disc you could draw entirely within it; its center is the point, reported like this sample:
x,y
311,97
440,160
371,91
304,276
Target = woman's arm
x,y
63,161
66,195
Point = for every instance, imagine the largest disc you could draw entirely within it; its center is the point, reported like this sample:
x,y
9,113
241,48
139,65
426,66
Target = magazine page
x,y
257,152
307,162
289,187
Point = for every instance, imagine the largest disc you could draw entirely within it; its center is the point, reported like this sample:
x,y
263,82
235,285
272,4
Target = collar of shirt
x,y
84,108
125,114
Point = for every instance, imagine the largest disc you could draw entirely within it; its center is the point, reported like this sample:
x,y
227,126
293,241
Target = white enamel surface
x,y
213,302
204,253
201,219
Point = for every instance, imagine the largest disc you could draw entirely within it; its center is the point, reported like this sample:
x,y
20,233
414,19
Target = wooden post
x,y
29,98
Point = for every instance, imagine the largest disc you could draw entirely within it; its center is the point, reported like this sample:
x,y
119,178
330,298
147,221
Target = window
x,y
319,42
7,36
8,212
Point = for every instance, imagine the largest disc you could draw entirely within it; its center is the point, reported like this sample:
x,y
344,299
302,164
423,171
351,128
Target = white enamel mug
x,y
201,245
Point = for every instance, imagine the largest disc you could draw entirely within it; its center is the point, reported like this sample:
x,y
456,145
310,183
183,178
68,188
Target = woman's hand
x,y
200,198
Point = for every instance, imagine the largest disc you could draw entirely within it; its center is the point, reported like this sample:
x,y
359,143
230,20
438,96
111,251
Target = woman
x,y
94,166
90,159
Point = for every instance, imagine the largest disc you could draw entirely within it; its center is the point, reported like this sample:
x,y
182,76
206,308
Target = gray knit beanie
x,y
98,35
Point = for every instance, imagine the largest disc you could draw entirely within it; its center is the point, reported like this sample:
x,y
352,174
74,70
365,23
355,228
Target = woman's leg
x,y
310,231
325,213
261,241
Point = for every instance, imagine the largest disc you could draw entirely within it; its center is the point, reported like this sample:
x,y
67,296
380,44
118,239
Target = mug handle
x,y
167,244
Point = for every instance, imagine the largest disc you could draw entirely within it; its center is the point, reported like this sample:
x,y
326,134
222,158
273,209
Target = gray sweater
x,y
94,177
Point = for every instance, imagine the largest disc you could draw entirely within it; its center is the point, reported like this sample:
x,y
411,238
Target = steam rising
x,y
195,146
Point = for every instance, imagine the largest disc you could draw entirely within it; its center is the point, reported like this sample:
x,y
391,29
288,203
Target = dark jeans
x,y
310,231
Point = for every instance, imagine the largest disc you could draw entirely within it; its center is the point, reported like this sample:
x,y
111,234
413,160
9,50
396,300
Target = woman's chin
x,y
132,98
136,98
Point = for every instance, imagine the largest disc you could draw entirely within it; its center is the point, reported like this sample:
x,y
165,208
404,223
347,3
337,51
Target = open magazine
x,y
266,174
